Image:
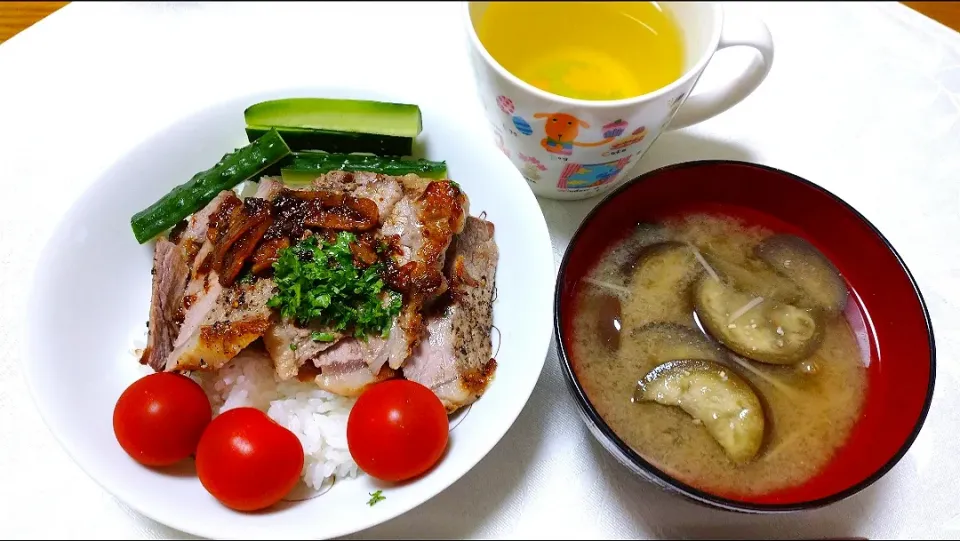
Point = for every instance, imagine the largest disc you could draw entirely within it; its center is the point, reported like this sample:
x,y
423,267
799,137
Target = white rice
x,y
316,417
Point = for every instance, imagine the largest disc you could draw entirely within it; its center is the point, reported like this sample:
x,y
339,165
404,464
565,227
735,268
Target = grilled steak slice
x,y
454,360
420,228
291,347
383,190
199,223
239,316
203,286
170,272
177,294
350,379
289,361
343,369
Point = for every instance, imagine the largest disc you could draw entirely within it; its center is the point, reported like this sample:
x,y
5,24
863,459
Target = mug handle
x,y
737,31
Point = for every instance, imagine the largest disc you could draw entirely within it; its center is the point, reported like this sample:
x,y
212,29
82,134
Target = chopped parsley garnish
x,y
376,497
318,282
293,346
318,336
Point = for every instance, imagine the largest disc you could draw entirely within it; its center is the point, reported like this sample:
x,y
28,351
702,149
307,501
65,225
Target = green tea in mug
x,y
585,50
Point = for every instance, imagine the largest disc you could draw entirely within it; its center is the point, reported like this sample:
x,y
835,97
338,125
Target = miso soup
x,y
721,352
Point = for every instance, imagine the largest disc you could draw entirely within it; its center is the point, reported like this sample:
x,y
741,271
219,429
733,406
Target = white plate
x,y
91,296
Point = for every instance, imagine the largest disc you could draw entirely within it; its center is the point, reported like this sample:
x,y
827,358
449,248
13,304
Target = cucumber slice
x,y
232,169
723,402
356,116
338,125
338,141
306,166
298,178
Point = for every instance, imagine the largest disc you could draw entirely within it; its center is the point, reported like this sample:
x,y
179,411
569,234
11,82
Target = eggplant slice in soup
x,y
659,342
660,285
764,330
626,255
713,395
756,277
802,263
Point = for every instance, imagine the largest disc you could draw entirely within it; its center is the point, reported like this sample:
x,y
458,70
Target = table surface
x,y
947,13
15,16
864,99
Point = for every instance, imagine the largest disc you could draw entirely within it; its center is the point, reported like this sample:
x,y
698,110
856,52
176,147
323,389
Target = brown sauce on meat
x,y
251,233
341,212
216,225
254,231
177,232
289,213
222,333
441,215
364,250
267,254
237,235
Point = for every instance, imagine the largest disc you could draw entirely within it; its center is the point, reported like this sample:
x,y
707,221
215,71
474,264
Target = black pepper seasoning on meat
x,y
289,212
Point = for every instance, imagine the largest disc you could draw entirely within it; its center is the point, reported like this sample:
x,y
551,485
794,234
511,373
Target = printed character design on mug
x,y
531,168
576,177
562,131
619,147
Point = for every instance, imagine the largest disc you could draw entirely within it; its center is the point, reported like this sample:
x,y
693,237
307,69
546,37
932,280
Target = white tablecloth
x,y
863,99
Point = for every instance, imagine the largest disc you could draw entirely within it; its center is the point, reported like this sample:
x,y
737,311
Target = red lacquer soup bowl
x,y
888,305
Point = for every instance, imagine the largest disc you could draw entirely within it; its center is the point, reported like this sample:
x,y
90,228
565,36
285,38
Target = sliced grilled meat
x,y
455,358
170,272
420,228
239,316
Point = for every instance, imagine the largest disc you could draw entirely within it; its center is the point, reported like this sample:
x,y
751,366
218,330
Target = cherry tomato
x,y
247,460
397,430
159,419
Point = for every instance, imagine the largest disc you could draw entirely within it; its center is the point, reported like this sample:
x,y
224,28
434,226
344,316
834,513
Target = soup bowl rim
x,y
635,462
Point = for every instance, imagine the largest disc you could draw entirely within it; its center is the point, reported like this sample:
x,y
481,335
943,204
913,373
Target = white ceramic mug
x,y
573,149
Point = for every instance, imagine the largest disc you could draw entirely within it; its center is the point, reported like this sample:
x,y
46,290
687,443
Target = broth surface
x,y
585,50
810,407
